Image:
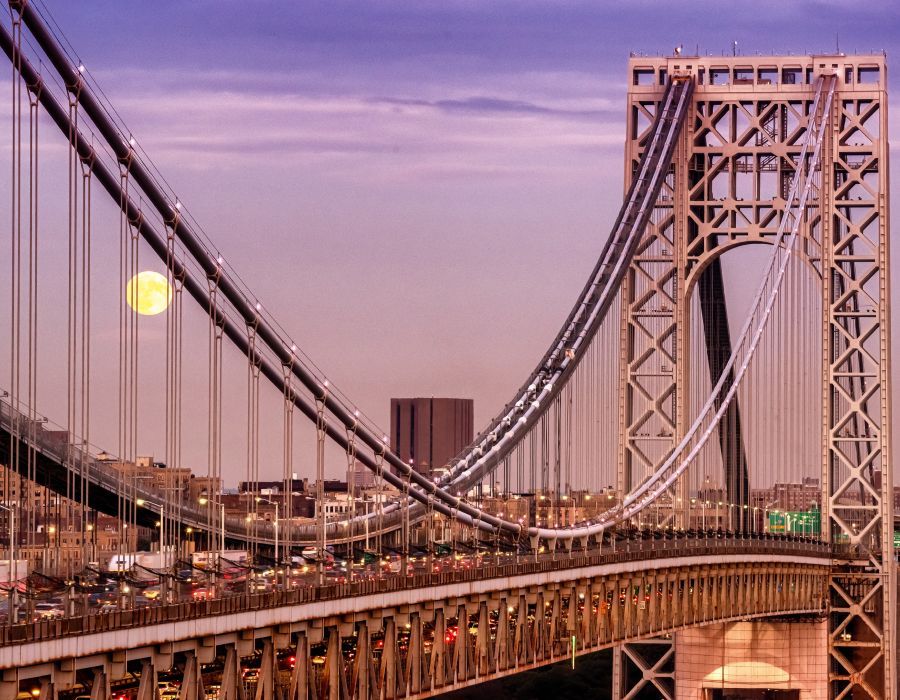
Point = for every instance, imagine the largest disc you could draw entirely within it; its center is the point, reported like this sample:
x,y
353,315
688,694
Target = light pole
x,y
259,499
163,554
160,524
204,500
13,584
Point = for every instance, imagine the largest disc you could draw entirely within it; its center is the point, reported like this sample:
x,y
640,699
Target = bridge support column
x,y
48,690
192,679
390,660
300,676
64,674
100,689
9,685
363,680
641,664
438,670
502,647
147,689
571,627
163,657
554,628
415,655
462,647
232,683
857,482
539,630
267,684
523,646
483,651
586,634
334,685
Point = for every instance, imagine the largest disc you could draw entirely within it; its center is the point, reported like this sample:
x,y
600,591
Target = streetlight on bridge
x,y
260,499
13,568
203,500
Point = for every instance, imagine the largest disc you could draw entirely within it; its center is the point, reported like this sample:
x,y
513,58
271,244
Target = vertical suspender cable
x,y
33,140
171,398
379,506
288,462
321,515
11,481
121,404
178,343
351,497
84,486
215,417
252,506
72,326
133,380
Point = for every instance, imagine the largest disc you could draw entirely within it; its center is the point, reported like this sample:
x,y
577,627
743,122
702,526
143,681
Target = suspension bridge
x,y
703,446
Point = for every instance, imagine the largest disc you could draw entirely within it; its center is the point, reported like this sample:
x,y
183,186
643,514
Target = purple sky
x,y
417,190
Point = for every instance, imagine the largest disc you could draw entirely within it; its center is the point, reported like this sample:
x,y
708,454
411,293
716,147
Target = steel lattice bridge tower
x,y
729,172
666,468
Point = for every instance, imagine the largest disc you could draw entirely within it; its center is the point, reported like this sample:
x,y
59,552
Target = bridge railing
x,y
101,622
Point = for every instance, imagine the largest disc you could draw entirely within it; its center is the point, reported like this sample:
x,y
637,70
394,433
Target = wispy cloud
x,y
497,106
428,132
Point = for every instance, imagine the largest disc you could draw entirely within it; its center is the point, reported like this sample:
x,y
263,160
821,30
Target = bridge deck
x,y
319,607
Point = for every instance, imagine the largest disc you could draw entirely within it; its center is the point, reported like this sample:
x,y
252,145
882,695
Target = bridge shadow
x,y
591,679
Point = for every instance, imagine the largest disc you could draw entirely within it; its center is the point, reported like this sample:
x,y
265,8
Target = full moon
x,y
148,293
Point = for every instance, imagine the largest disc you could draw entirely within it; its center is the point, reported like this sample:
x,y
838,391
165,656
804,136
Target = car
x,y
48,611
287,661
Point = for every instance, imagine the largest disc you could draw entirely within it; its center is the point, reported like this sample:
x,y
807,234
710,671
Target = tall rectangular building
x,y
429,432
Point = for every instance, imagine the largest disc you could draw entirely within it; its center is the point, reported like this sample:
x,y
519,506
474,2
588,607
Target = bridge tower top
x,y
752,74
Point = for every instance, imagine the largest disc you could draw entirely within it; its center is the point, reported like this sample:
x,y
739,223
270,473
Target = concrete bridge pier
x,y
753,656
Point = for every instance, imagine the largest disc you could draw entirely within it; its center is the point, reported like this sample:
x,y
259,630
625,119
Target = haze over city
x,y
415,191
